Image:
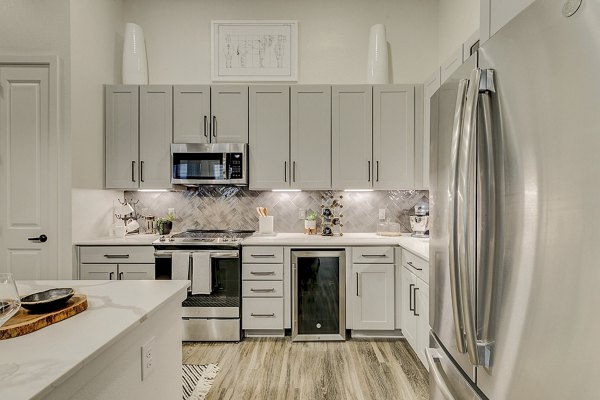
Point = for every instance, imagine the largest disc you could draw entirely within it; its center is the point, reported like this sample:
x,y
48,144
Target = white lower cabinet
x,y
263,290
414,294
409,320
373,300
116,263
262,313
372,295
120,272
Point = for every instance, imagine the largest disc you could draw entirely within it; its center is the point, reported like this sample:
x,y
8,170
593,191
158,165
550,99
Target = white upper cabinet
x,y
191,114
229,120
269,137
497,13
431,86
311,137
393,136
139,131
121,136
156,134
352,136
451,64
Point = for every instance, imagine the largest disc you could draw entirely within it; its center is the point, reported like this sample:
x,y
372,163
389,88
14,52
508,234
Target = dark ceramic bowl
x,y
48,300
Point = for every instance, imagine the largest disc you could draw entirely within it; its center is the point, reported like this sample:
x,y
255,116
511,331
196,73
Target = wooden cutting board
x,y
24,322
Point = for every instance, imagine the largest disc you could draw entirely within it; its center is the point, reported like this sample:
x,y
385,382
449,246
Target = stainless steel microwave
x,y
209,164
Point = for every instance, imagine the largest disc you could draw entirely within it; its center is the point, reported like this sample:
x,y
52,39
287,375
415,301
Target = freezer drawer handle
x,y
412,265
433,357
263,315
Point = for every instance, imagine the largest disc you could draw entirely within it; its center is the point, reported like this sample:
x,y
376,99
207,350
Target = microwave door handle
x,y
465,214
452,231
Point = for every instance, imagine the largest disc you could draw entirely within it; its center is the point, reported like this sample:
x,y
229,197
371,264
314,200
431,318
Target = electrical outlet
x,y
301,213
148,358
382,214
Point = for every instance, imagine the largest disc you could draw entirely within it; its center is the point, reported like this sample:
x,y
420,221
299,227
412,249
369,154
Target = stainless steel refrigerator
x,y
515,199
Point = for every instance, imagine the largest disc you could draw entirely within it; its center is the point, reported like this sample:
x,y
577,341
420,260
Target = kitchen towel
x,y
180,266
201,273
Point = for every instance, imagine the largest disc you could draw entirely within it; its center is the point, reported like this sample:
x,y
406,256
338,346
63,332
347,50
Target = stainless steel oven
x,y
209,164
213,316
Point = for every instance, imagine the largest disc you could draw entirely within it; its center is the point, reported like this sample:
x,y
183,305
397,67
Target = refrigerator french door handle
x,y
465,215
490,195
434,369
453,226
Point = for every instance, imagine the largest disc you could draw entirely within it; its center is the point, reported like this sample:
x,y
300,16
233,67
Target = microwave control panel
x,y
235,162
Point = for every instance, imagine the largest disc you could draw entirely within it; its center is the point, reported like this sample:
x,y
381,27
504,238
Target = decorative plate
x,y
48,300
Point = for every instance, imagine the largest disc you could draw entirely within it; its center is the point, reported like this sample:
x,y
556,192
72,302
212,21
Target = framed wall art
x,y
254,51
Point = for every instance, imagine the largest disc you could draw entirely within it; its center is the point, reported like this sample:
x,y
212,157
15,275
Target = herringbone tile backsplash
x,y
235,208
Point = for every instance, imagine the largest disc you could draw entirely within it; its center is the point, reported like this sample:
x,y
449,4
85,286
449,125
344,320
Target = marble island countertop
x,y
50,356
419,246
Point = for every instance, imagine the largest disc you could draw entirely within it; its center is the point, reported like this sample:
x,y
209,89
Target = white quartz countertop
x,y
418,246
48,357
128,240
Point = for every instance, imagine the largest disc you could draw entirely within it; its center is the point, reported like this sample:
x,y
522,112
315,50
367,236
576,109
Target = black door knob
x,y
41,239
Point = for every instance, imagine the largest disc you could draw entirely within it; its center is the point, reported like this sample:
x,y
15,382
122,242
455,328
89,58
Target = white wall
x,y
41,27
96,50
333,35
458,20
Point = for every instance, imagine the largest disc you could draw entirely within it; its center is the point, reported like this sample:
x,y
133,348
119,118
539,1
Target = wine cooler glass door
x,y
319,300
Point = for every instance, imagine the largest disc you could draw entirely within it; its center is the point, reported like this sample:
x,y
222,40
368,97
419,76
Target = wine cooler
x,y
319,295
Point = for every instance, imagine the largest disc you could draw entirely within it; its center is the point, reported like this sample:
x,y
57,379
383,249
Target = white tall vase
x,y
377,61
135,63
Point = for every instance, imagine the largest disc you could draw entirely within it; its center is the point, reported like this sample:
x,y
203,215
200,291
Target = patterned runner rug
x,y
197,380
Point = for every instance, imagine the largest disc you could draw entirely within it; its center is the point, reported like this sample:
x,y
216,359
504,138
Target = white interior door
x,y
28,173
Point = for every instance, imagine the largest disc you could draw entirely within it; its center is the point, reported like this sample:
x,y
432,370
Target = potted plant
x,y
310,223
165,224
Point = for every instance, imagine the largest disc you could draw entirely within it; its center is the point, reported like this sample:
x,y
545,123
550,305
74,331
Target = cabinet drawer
x,y
262,288
262,272
373,255
262,254
262,313
117,254
416,265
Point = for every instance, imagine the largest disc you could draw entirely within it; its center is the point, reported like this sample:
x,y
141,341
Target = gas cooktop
x,y
204,237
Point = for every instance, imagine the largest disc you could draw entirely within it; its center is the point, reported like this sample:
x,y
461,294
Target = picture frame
x,y
254,50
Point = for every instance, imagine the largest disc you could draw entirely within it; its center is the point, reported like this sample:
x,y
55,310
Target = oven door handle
x,y
225,255
163,254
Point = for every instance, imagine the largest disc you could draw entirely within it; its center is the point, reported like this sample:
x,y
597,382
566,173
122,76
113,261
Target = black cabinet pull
x,y
415,302
133,171
205,126
410,297
141,171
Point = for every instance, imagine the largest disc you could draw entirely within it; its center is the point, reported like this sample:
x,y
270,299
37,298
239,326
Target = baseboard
x,y
394,334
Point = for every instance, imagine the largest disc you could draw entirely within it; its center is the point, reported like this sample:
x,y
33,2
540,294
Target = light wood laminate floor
x,y
276,368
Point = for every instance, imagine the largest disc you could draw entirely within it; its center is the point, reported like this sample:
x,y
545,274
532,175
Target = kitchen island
x,y
97,354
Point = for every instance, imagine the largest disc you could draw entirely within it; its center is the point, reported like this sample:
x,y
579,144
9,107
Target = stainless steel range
x,y
211,260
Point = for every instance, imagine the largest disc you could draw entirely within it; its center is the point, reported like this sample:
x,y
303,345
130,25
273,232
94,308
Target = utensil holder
x,y
265,224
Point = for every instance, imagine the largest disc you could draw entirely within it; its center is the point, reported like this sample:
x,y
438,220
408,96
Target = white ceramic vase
x,y
377,61
135,63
